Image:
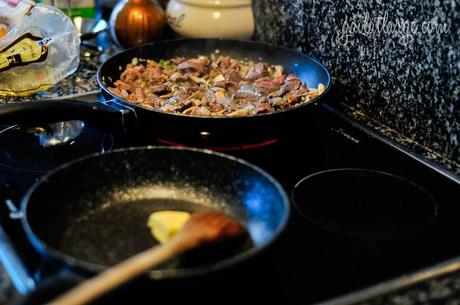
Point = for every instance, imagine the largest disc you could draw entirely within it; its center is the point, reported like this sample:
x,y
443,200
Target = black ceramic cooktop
x,y
363,212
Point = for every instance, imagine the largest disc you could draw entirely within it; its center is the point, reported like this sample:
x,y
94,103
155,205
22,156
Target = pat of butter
x,y
165,224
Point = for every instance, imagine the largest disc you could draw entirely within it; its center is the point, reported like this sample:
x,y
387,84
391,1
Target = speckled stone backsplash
x,y
398,61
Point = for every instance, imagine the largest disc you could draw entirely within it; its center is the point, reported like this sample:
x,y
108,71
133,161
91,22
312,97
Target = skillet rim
x,y
44,249
249,43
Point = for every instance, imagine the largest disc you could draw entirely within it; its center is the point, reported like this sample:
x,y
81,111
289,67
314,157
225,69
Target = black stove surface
x,y
310,262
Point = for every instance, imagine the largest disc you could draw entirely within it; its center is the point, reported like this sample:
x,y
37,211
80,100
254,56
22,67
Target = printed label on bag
x,y
25,50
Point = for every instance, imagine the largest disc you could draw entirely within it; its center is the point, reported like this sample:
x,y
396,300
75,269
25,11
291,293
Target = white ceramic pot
x,y
211,18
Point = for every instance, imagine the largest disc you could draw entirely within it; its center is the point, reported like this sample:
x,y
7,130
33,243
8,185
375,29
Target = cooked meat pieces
x,y
211,86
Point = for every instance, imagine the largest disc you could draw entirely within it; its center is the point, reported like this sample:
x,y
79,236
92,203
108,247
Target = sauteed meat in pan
x,y
212,85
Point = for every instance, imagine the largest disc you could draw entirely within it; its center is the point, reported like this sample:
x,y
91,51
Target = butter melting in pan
x,y
165,224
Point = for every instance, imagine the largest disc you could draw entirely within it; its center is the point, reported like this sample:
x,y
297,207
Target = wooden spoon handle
x,y
121,273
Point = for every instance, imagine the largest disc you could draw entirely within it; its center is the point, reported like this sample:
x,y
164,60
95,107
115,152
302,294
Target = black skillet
x,y
92,213
117,111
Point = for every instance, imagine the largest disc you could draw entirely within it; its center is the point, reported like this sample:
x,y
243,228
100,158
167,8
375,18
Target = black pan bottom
x,y
123,228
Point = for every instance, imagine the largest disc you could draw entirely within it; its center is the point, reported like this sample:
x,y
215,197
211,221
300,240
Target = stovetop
x,y
310,262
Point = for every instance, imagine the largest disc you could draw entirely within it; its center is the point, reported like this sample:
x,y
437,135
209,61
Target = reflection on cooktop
x,y
27,152
36,148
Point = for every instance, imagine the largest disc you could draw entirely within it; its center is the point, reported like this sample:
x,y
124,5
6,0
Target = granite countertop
x,y
439,284
442,288
406,80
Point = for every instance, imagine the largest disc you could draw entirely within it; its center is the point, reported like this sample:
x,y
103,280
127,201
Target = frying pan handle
x,y
22,280
50,288
16,270
99,114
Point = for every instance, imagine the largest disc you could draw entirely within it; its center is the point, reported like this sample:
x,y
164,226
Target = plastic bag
x,y
41,47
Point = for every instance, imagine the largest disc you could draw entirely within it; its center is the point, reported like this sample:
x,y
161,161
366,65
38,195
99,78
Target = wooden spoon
x,y
202,228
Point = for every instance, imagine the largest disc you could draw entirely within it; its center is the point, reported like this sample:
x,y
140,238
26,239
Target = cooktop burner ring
x,y
363,203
